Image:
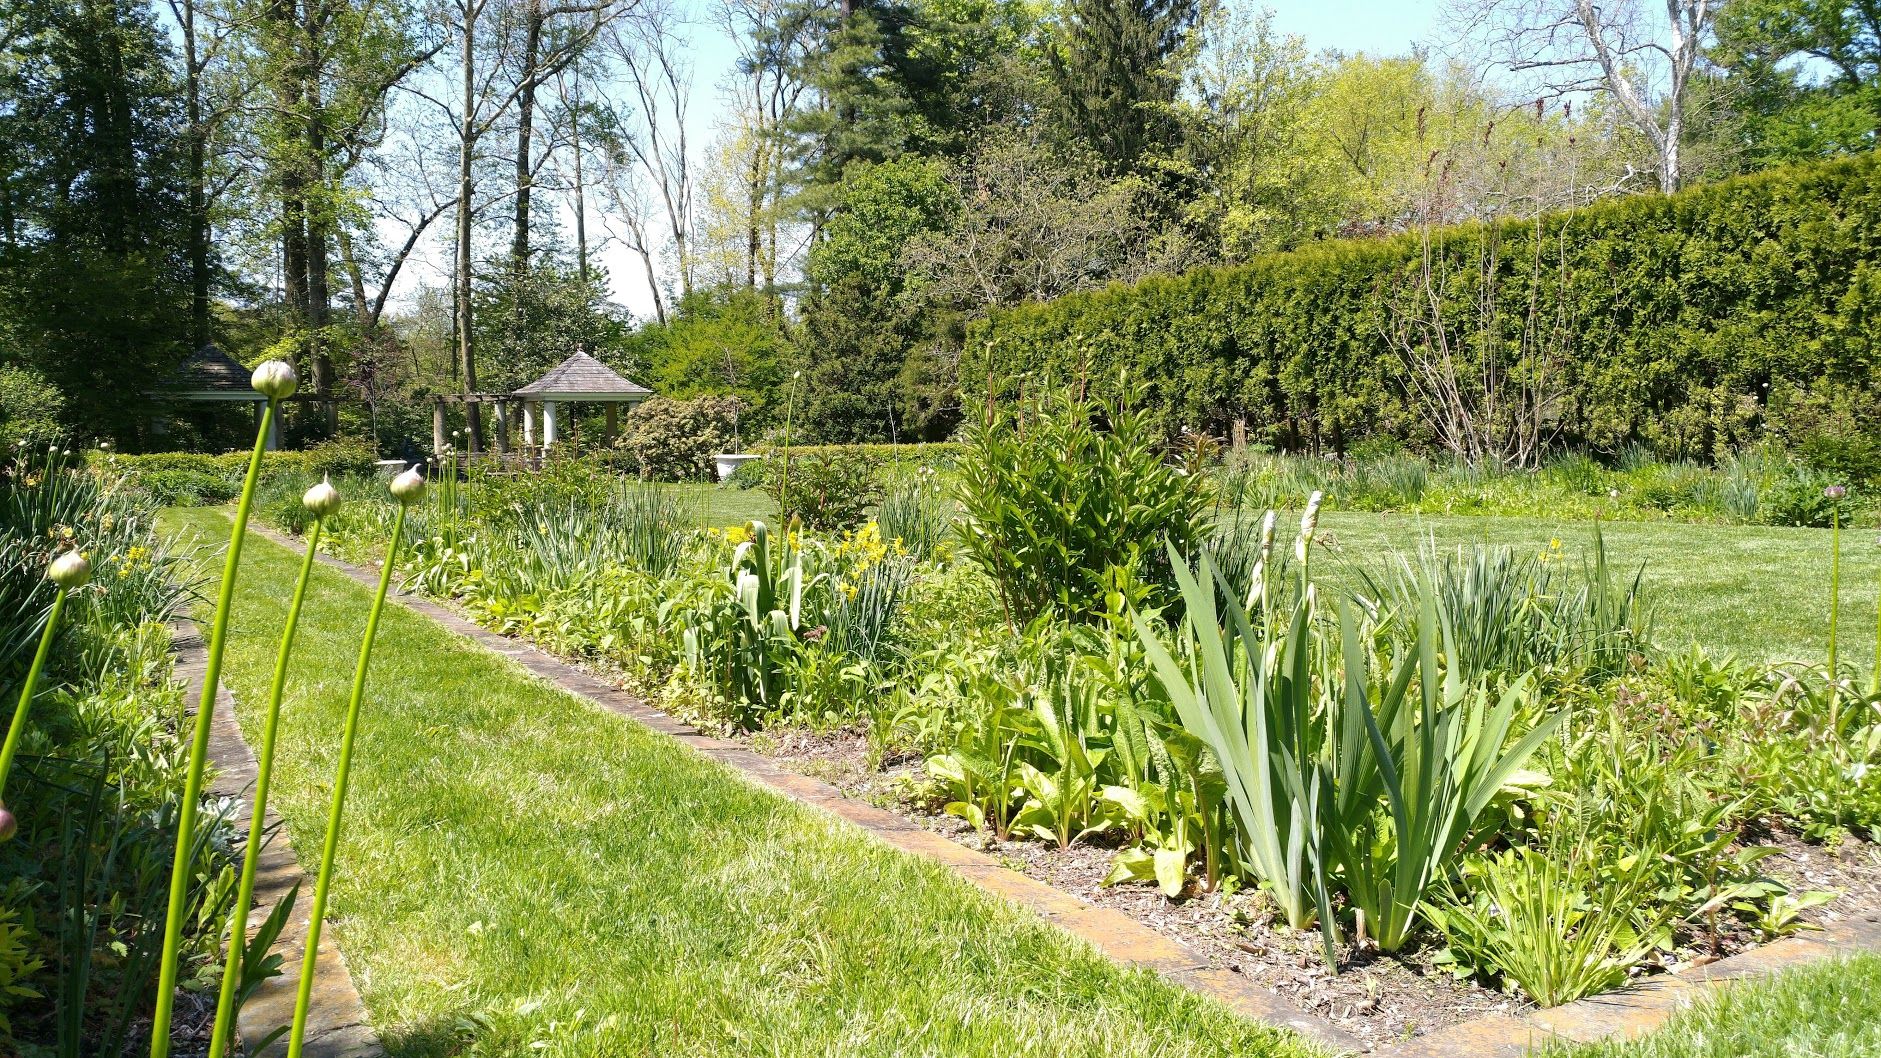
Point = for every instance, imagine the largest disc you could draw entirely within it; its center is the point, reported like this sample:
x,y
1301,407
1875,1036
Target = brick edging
x,y
336,1024
1627,1012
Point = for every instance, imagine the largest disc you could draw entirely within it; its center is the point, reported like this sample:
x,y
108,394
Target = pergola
x,y
211,376
579,379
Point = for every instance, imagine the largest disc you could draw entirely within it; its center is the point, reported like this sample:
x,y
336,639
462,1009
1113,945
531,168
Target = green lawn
x,y
1756,591
1827,1011
721,505
523,873
1759,592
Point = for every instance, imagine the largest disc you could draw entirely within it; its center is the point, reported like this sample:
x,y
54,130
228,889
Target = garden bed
x,y
1376,998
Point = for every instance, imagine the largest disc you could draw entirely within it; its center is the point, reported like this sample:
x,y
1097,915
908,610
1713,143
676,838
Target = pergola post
x,y
613,420
529,425
502,428
548,424
437,428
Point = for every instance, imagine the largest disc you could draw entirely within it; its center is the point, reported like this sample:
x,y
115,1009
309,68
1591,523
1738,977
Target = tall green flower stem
x,y
199,746
257,828
1835,586
18,726
790,408
324,880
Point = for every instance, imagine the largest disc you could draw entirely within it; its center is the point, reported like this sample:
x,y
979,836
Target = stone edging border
x,y
1627,1012
336,1022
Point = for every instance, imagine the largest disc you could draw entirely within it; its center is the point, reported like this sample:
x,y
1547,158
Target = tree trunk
x,y
466,186
198,194
581,187
525,132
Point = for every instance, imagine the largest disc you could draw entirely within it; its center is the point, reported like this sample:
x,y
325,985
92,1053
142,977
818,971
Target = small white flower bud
x,y
69,571
275,380
321,500
1309,521
407,487
9,826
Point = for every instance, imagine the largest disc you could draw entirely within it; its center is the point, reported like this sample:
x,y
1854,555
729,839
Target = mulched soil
x,y
1375,997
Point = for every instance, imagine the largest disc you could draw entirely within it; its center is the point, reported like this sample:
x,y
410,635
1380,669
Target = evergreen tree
x,y
1117,68
94,281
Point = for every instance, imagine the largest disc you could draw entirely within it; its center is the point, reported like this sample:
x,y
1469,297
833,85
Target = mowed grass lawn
x,y
1831,1010
523,873
1759,592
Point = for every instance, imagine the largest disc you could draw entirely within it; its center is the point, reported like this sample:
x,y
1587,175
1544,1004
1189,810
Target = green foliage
x,y
18,964
829,488
31,409
1677,310
744,639
101,771
675,440
1365,777
93,280
721,342
530,321
1537,919
915,512
1066,500
1116,69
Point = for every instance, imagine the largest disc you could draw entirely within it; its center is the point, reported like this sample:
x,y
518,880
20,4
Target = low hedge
x,y
1693,322
194,478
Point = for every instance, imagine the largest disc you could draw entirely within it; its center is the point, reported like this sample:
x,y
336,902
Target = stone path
x,y
336,1021
1627,1012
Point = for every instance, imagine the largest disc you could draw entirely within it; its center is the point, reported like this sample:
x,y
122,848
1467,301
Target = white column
x,y
274,429
548,423
529,424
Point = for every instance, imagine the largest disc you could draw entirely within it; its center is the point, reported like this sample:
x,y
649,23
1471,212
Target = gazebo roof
x,y
209,374
582,377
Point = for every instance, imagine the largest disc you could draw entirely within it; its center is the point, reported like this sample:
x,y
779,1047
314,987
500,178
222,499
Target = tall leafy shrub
x,y
1066,499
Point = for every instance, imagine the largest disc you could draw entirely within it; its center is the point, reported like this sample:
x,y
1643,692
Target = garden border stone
x,y
336,1024
1628,1012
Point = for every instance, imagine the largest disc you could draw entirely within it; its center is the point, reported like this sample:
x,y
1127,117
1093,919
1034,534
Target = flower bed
x,y
1492,788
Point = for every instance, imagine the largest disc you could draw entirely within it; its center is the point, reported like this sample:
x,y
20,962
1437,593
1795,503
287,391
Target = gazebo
x,y
211,376
580,378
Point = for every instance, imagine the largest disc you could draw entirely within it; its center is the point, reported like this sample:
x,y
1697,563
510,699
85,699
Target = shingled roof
x,y
582,377
210,374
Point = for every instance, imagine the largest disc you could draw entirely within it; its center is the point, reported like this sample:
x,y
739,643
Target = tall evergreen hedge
x,y
1691,322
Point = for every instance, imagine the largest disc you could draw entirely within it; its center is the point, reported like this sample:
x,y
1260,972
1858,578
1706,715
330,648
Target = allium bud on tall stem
x,y
406,488
275,380
67,573
321,500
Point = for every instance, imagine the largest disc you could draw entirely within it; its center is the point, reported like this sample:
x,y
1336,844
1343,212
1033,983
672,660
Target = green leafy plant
x,y
827,488
744,637
675,440
1066,499
1364,777
1539,921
